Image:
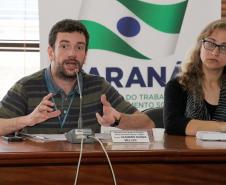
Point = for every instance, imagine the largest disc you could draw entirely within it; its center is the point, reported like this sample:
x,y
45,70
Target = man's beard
x,y
63,74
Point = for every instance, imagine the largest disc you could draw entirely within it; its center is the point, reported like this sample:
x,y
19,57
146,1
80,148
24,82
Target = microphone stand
x,y
76,135
80,103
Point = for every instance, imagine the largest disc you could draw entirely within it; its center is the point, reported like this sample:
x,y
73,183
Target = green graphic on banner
x,y
131,27
102,38
165,18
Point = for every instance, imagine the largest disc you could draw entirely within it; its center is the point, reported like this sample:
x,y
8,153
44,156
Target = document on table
x,y
61,137
211,136
45,137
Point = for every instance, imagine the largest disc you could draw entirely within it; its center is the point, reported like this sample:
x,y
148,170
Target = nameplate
x,y
130,136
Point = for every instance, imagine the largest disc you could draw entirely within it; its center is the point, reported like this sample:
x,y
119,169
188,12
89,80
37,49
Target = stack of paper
x,y
211,136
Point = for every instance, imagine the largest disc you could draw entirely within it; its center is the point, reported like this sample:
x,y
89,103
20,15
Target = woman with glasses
x,y
196,99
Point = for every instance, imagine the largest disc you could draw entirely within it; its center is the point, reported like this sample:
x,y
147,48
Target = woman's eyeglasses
x,y
209,45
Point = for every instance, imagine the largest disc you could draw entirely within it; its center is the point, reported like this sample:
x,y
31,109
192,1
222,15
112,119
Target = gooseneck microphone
x,y
76,135
80,101
84,135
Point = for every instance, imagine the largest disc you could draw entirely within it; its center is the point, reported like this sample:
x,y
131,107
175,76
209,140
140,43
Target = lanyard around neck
x,y
51,88
62,122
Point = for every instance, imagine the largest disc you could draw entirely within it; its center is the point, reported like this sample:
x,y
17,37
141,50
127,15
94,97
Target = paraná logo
x,y
133,28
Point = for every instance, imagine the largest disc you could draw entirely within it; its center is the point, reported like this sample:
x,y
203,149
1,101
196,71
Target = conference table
x,y
177,160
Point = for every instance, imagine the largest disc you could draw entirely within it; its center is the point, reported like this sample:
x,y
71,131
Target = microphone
x,y
76,135
80,102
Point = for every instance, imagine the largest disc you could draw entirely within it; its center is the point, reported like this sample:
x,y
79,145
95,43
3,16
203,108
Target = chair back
x,y
156,114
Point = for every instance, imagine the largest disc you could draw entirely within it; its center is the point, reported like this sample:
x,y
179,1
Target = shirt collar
x,y
52,86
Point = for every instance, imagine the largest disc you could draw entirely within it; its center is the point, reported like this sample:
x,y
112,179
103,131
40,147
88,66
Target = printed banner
x,y
138,45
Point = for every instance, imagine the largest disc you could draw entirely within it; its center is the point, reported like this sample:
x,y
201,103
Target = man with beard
x,y
59,84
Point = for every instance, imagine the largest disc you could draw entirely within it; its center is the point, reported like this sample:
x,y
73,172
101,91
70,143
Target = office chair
x,y
156,114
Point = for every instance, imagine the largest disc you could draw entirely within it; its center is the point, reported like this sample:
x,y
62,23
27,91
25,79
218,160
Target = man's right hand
x,y
42,112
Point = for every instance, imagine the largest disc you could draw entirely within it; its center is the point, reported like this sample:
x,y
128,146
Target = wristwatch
x,y
116,123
